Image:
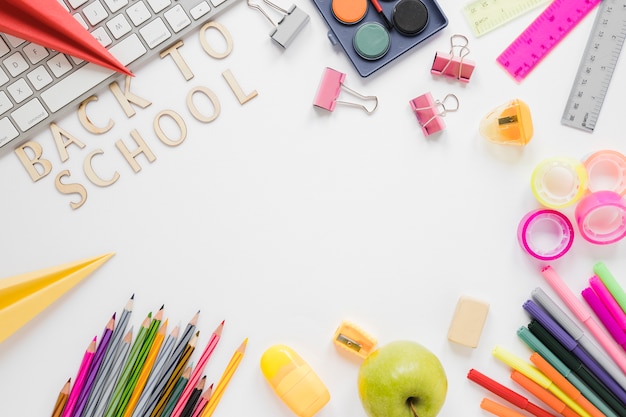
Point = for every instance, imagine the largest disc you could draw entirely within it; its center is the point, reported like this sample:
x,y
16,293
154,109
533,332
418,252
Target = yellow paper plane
x,y
24,296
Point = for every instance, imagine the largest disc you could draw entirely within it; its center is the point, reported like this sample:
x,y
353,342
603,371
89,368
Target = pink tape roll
x,y
601,217
552,221
606,171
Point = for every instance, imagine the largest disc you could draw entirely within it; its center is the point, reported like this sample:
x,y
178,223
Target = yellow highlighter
x,y
293,380
538,377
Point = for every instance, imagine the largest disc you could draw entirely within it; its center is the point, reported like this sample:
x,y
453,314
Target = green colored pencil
x,y
178,390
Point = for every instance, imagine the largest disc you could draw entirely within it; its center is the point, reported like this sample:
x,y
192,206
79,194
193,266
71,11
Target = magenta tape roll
x,y
601,217
552,223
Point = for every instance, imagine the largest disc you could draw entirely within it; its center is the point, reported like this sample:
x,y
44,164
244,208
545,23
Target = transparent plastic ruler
x,y
542,35
596,66
483,16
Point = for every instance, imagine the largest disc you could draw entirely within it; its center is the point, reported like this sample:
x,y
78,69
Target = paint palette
x,y
364,35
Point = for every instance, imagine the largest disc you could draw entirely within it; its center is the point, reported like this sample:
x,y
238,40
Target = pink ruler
x,y
543,34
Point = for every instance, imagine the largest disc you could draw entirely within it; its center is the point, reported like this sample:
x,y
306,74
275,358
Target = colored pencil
x,y
105,339
203,401
80,379
194,398
197,372
130,363
179,368
498,409
64,394
225,379
153,379
116,370
169,367
138,364
176,393
147,369
109,359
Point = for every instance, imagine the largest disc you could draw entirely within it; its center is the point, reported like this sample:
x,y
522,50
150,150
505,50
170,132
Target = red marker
x,y
380,11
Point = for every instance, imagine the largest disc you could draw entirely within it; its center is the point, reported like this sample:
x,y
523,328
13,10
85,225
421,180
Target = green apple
x,y
402,379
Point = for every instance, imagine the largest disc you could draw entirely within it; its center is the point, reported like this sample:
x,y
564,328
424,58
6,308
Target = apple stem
x,y
413,408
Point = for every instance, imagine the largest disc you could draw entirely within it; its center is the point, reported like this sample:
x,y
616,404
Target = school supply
x,y
542,35
47,23
369,44
352,339
596,67
483,16
454,63
24,296
468,321
430,112
288,27
40,85
601,217
546,221
329,89
508,124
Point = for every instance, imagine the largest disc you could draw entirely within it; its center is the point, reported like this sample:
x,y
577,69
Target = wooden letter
x,y
91,174
71,189
31,163
178,120
58,134
234,85
194,110
142,147
127,97
86,122
178,59
225,34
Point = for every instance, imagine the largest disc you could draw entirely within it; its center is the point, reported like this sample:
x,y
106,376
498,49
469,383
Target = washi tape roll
x,y
601,217
545,234
559,182
606,170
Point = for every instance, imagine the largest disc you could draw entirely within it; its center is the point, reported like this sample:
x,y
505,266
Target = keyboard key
x,y
80,20
14,41
39,78
102,36
155,33
5,103
138,13
159,5
16,64
59,65
200,10
88,76
4,49
217,2
177,18
29,114
7,131
116,5
77,3
3,78
119,26
35,53
20,90
95,13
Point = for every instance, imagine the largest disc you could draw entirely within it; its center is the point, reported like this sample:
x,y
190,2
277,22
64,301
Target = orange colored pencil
x,y
225,379
498,409
64,394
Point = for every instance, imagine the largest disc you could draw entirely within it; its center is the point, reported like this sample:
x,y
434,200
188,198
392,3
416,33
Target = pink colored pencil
x,y
197,372
80,379
204,400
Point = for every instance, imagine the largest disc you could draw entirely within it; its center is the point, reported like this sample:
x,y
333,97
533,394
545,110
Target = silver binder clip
x,y
288,27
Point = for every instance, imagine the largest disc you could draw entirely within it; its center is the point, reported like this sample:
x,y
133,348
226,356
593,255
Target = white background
x,y
284,220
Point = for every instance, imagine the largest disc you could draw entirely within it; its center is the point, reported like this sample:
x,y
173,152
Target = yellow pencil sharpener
x,y
508,124
293,380
353,340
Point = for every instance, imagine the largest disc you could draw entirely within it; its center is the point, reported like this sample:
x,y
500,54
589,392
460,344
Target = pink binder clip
x,y
330,88
430,112
451,65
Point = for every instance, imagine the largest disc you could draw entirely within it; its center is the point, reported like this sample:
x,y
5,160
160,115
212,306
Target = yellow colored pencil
x,y
64,394
147,368
224,380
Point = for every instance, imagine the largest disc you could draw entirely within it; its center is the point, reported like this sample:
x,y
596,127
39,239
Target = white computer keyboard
x,y
39,85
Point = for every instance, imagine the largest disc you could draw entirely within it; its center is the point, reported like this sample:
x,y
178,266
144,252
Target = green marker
x,y
611,284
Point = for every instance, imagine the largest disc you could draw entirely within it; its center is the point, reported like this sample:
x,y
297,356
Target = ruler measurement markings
x,y
597,66
542,35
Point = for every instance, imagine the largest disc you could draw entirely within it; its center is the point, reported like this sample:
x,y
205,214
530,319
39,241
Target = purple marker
x,y
571,345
